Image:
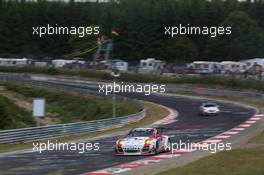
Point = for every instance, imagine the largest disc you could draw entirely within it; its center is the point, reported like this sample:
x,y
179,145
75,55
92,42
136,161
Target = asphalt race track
x,y
189,127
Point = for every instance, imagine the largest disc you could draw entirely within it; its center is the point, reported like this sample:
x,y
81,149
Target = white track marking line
x,y
238,129
255,118
231,132
250,122
244,125
211,141
221,137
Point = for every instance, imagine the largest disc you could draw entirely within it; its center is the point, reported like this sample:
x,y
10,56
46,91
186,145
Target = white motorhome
x,y
254,61
119,64
255,66
7,62
204,67
151,65
233,67
61,63
40,63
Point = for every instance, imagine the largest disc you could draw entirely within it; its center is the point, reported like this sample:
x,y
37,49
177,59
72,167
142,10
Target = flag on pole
x,y
114,32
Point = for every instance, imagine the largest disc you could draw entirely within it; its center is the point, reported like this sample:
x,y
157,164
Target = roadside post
x,y
38,109
115,73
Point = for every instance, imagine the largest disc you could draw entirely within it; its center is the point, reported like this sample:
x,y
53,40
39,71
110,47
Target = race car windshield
x,y
141,133
211,105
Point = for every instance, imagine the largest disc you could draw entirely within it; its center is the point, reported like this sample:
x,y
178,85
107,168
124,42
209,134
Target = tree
x,y
141,27
180,49
5,116
246,40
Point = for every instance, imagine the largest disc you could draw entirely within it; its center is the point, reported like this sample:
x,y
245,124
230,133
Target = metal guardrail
x,y
55,131
172,88
169,88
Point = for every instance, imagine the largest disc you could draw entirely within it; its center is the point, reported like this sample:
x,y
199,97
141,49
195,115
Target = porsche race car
x,y
143,141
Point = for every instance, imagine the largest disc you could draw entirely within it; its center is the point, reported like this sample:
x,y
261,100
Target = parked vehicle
x,y
19,62
151,65
204,67
233,67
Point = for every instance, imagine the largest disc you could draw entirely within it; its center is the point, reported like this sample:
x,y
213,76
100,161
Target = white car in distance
x,y
207,109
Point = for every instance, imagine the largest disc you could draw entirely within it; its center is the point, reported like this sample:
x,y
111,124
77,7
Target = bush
x,y
12,116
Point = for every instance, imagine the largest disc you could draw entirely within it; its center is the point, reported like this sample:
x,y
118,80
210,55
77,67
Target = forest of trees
x,y
140,24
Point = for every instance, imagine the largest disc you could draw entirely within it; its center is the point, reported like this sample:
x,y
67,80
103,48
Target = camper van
x,y
62,63
255,66
204,67
151,65
7,62
254,61
233,67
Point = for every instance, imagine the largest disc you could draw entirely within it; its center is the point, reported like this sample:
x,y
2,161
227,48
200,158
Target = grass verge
x,y
241,161
235,162
69,107
12,116
154,113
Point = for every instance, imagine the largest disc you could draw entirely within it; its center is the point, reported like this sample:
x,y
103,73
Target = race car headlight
x,y
147,142
120,142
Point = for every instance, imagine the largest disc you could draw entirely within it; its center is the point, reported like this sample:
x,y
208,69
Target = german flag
x,y
114,32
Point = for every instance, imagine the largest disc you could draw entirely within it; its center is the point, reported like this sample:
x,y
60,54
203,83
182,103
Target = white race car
x,y
143,141
209,109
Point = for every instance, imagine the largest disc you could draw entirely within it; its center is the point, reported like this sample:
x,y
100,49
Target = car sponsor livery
x,y
143,141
